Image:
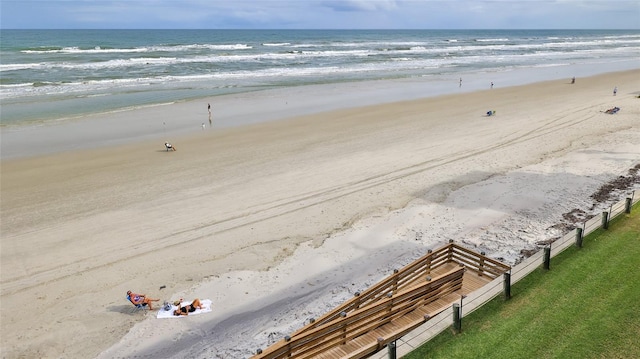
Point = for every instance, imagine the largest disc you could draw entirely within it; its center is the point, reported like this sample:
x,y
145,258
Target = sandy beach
x,y
278,221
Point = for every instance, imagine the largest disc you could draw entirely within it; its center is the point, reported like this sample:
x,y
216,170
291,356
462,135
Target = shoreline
x,y
234,215
247,108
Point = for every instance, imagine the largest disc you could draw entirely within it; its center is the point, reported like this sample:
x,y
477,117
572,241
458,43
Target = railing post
x,y
547,256
579,237
428,264
395,281
627,206
605,220
344,328
357,302
392,350
507,285
288,339
481,263
457,318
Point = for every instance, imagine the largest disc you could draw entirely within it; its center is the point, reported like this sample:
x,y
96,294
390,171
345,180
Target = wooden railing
x,y
363,312
420,268
478,263
363,323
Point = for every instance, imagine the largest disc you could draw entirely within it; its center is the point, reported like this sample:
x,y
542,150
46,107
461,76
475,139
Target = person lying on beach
x,y
189,308
611,111
491,113
140,299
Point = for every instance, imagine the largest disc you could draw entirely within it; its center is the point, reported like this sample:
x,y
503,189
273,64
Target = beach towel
x,y
206,305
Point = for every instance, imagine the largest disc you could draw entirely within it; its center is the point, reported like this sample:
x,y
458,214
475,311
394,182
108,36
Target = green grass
x,y
586,306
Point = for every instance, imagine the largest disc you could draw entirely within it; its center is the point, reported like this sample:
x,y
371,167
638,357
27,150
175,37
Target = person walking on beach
x,y
460,82
209,109
491,84
615,90
573,80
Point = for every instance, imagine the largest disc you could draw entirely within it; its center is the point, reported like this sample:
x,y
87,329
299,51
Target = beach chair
x,y
136,307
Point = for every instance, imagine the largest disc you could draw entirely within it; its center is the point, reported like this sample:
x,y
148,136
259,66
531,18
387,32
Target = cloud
x,y
360,5
320,14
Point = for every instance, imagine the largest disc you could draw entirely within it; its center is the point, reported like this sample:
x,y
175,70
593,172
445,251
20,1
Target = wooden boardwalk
x,y
393,307
471,281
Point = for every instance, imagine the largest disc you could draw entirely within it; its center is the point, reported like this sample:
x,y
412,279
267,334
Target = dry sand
x,y
278,221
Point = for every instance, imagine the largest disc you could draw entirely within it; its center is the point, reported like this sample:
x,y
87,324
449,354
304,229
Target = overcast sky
x,y
320,14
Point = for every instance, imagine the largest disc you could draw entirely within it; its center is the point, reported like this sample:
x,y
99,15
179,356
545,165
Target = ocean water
x,y
52,75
